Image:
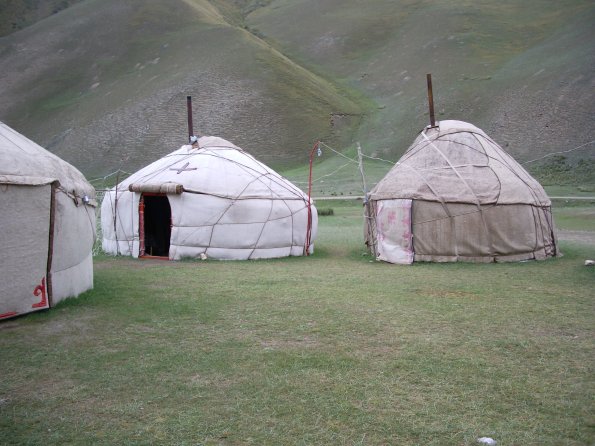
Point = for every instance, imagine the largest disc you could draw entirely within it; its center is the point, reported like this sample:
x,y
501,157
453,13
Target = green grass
x,y
576,217
331,349
561,172
570,191
336,175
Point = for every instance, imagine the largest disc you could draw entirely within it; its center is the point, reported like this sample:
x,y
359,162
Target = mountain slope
x,y
18,14
523,71
103,84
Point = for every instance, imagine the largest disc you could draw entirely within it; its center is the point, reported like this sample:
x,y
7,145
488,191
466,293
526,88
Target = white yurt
x,y
48,227
207,200
456,195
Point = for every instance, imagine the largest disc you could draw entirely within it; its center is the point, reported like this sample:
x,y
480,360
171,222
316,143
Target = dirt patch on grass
x,y
445,294
9,325
137,264
562,334
217,382
583,237
289,344
53,326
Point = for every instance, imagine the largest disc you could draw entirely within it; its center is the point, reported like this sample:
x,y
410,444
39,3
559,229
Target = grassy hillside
x,y
18,14
522,71
104,83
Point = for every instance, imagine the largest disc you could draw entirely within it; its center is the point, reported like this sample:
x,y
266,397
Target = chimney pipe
x,y
189,109
431,101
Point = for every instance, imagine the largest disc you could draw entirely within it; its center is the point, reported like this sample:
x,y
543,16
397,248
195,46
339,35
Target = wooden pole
x,y
116,213
309,222
141,226
189,110
431,101
49,291
369,219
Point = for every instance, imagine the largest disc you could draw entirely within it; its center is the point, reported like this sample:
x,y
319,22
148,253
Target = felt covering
x,y
48,227
471,201
224,204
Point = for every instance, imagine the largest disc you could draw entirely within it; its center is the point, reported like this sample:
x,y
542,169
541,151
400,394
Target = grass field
x,y
335,349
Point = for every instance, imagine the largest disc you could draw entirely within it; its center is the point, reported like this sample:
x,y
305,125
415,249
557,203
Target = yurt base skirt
x,y
537,255
131,248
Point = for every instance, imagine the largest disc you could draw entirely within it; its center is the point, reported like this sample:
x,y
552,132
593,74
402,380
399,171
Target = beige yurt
x,y
48,227
207,200
456,195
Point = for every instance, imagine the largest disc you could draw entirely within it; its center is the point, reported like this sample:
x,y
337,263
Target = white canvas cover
x,y
48,227
224,204
471,201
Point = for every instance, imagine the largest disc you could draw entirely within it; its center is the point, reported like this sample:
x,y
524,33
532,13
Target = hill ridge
x,y
103,83
116,97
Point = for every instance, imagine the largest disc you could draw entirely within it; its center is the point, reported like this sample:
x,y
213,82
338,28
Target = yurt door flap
x,y
393,230
27,234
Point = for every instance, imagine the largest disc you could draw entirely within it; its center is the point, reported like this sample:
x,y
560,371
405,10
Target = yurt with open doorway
x,y
456,195
207,200
47,221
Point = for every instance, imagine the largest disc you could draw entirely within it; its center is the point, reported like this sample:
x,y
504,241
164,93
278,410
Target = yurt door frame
x,y
154,228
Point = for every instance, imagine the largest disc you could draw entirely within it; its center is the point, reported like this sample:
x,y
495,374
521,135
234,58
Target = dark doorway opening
x,y
156,228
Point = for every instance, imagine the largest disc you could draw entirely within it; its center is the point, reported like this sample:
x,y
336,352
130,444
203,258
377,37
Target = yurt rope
x,y
559,153
420,146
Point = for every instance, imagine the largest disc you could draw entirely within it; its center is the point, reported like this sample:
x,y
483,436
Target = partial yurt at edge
x,y
47,221
212,200
456,195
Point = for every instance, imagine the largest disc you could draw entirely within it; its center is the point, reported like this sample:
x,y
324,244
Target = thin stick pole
x,y
309,227
431,100
116,213
361,168
368,219
189,111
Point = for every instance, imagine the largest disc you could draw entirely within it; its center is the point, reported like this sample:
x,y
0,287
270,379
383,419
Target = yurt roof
x,y
216,167
24,161
457,162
